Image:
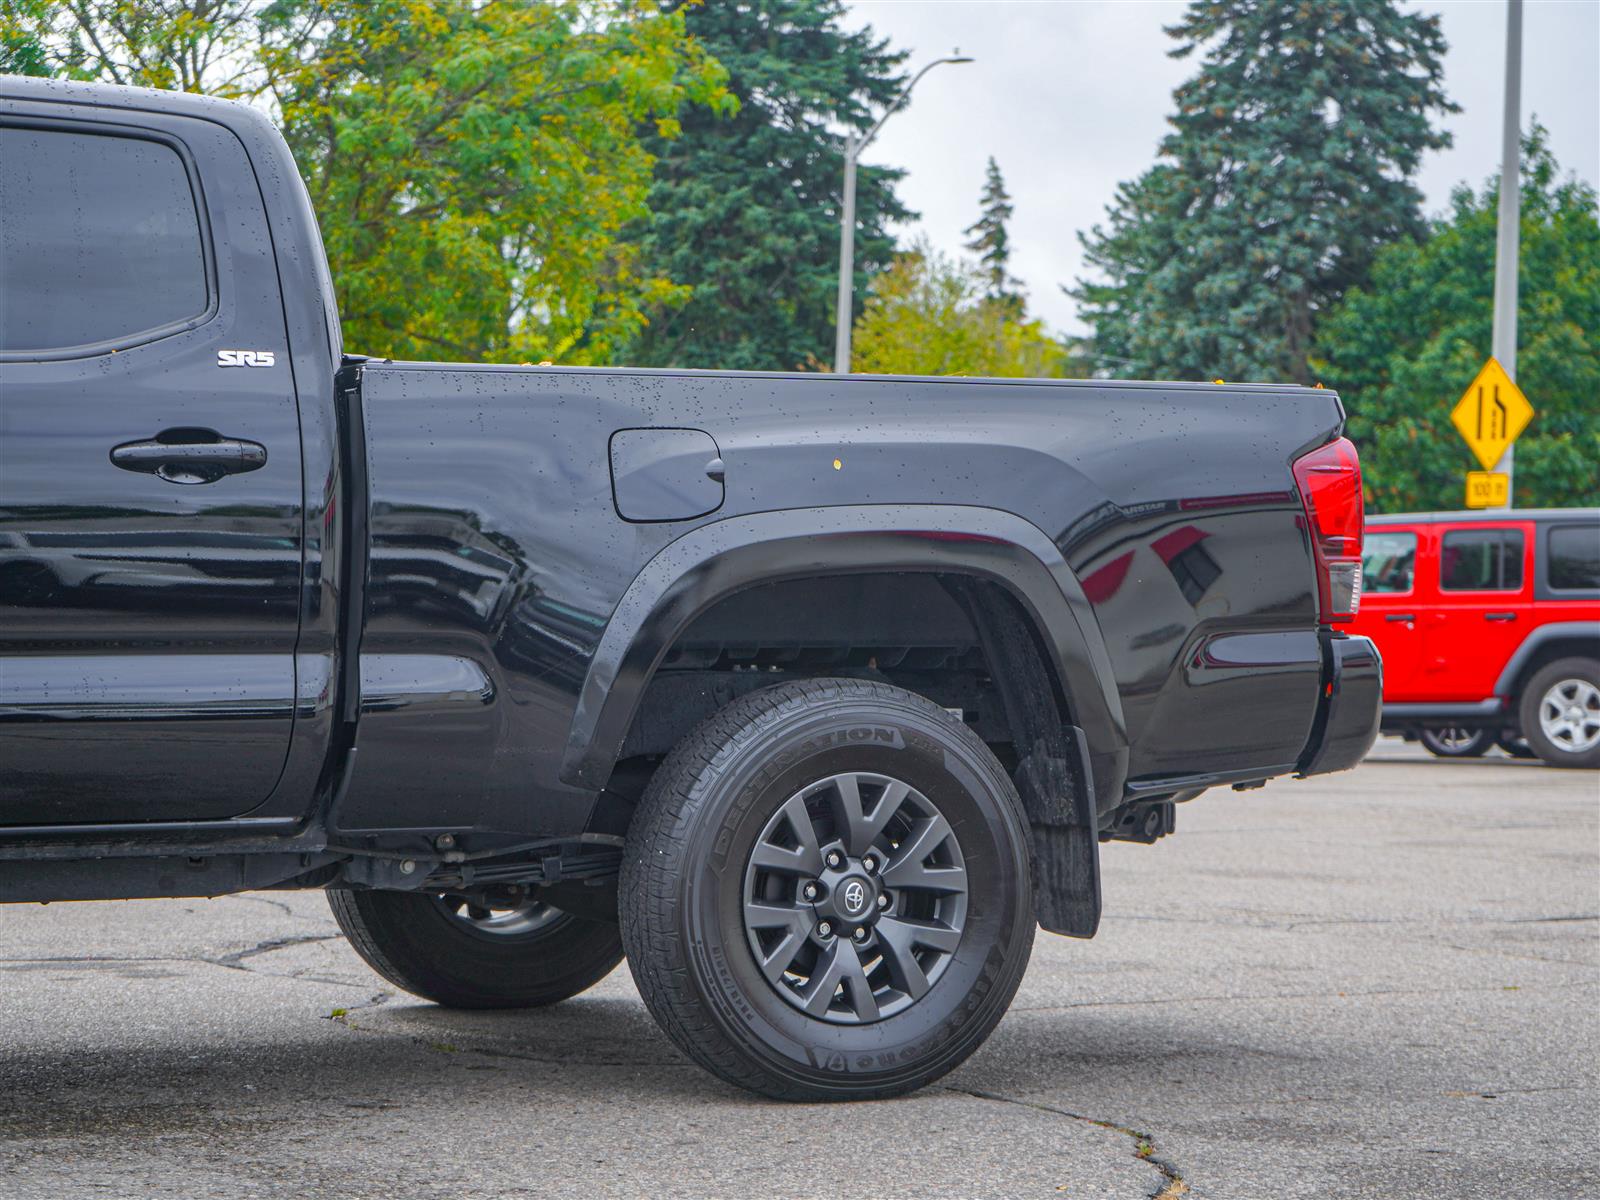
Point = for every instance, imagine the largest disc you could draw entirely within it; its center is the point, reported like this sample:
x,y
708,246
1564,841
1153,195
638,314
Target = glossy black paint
x,y
1165,516
99,565
150,626
438,603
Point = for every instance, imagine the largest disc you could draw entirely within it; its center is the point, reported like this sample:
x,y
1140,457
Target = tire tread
x,y
656,857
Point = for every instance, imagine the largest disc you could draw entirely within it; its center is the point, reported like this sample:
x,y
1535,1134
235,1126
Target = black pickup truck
x,y
810,694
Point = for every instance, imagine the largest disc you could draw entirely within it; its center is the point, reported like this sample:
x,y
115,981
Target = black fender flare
x,y
715,560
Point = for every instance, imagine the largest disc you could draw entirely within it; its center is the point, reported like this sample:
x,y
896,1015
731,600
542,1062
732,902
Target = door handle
x,y
1500,616
186,455
1400,616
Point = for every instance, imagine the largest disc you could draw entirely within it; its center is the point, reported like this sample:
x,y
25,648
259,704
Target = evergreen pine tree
x,y
746,208
1288,165
991,242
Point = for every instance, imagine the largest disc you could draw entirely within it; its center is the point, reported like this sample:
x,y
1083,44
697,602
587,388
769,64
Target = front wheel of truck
x,y
825,892
519,953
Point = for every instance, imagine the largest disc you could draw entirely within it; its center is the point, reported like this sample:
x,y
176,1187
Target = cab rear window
x,y
1388,561
1575,558
1481,560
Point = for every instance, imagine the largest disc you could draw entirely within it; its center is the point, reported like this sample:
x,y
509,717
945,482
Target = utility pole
x,y
1510,223
847,221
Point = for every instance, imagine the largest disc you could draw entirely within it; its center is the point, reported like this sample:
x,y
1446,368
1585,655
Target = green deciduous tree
x,y
931,315
991,240
23,50
1287,167
472,165
745,209
1403,349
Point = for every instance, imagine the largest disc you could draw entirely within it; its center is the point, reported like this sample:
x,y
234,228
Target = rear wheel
x,y
1515,745
1448,741
509,952
825,892
1560,713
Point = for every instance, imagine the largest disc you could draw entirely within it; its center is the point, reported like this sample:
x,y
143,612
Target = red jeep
x,y
1489,624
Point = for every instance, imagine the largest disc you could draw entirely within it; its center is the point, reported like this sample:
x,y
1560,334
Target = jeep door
x,y
1483,609
150,496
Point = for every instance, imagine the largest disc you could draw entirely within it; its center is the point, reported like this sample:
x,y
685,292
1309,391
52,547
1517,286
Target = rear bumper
x,y
1351,707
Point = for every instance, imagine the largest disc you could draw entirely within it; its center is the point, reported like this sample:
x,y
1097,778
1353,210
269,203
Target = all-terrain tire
x,y
1574,679
689,861
417,944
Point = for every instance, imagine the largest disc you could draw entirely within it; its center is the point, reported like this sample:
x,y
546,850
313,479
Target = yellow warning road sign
x,y
1488,489
1491,413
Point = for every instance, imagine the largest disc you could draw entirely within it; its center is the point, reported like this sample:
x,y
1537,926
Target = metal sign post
x,y
1506,241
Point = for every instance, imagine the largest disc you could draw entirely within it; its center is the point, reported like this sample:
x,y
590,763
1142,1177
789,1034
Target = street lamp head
x,y
958,58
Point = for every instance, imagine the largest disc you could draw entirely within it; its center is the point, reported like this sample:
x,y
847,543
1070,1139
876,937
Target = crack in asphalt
x,y
236,961
237,958
267,900
1144,1145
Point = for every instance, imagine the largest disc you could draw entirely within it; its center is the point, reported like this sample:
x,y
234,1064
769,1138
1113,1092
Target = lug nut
x,y
810,891
835,859
870,863
860,934
883,899
824,929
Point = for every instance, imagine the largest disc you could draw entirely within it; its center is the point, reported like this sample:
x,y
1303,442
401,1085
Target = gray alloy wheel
x,y
1450,741
825,891
1559,712
855,897
1569,715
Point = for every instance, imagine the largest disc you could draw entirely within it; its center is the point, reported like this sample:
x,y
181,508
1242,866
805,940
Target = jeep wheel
x,y
1451,742
519,953
1560,713
825,892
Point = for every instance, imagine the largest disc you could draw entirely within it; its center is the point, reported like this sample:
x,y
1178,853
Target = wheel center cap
x,y
853,898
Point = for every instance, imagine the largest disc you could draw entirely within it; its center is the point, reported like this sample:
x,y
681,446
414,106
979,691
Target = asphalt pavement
x,y
1376,984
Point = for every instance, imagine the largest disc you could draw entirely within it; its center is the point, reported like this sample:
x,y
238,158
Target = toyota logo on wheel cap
x,y
855,896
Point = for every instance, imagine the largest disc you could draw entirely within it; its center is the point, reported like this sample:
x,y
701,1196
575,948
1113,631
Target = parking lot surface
x,y
1384,983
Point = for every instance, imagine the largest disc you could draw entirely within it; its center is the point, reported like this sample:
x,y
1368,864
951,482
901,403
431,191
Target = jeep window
x,y
1388,562
99,240
1481,560
1575,558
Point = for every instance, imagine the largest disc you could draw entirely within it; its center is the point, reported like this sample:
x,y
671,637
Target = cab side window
x,y
1575,558
1388,562
100,242
1481,560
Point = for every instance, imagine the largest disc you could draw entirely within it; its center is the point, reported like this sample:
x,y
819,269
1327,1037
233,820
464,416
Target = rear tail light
x,y
1329,479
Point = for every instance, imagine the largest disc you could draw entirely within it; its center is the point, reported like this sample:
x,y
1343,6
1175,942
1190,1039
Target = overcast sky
x,y
1071,98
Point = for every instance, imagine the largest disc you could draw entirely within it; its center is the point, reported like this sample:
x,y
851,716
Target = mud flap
x,y
1065,844
1053,775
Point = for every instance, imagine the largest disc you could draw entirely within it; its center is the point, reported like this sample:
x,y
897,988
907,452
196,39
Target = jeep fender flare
x,y
1582,633
715,560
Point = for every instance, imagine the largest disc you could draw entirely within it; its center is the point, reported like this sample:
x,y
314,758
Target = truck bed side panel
x,y
498,554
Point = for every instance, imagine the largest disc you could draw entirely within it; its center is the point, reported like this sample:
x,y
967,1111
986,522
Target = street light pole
x,y
853,147
1510,221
